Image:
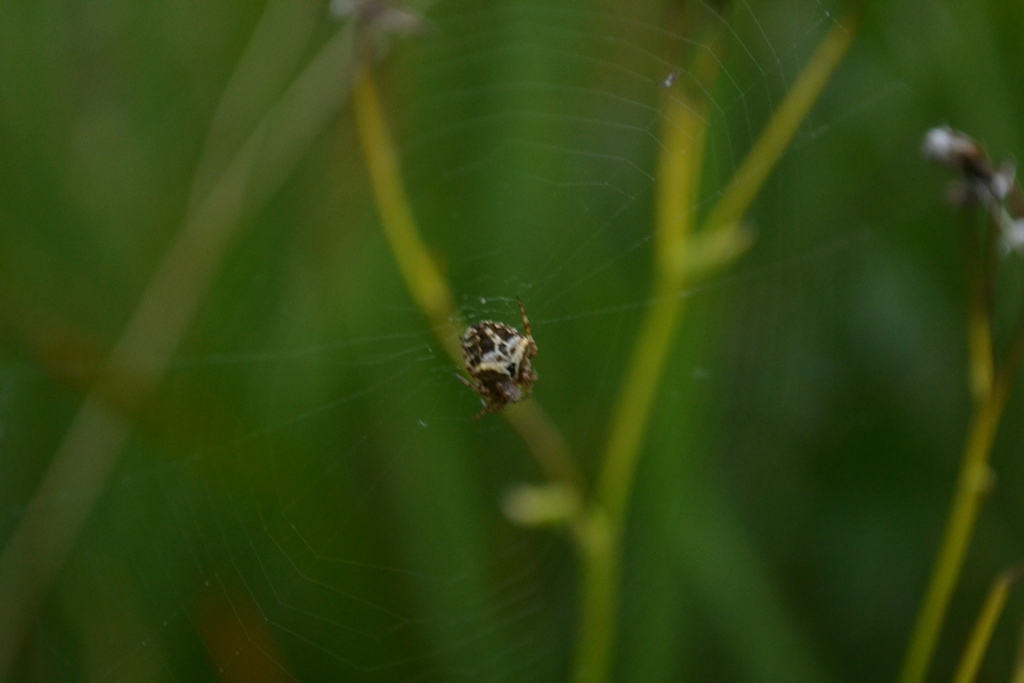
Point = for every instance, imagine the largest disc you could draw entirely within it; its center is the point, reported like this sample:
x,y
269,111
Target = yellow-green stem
x,y
422,277
678,176
1018,665
428,286
980,354
775,139
989,390
973,483
970,662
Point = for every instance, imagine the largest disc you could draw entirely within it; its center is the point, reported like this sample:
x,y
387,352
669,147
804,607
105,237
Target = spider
x,y
497,359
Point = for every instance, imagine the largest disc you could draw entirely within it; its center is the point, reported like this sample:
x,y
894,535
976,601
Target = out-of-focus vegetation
x,y
276,478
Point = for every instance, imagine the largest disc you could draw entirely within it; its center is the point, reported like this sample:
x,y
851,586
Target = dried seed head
x,y
951,148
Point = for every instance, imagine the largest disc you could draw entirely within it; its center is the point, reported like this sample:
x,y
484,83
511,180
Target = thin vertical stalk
x,y
989,389
1018,665
678,176
980,296
973,483
970,662
48,530
423,279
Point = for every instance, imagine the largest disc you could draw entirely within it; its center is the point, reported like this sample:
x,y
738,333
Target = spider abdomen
x,y
497,358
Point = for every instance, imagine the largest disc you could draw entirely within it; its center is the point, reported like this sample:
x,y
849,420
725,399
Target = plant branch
x,y
970,662
973,484
990,383
428,286
678,178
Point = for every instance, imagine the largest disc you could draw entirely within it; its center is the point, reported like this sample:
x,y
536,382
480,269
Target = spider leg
x,y
488,408
526,320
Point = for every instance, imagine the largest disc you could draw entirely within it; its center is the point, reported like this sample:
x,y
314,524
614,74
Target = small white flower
x,y
949,147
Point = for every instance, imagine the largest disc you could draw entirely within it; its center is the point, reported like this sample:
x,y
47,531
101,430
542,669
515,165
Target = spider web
x,y
306,498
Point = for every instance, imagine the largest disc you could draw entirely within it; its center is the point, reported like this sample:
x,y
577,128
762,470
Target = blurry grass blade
x,y
270,59
730,579
46,533
967,670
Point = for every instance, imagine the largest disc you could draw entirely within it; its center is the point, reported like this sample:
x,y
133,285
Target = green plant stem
x,y
980,295
970,662
973,483
678,175
423,279
775,138
1018,665
990,387
428,286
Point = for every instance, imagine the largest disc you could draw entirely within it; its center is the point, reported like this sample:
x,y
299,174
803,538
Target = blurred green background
x,y
303,496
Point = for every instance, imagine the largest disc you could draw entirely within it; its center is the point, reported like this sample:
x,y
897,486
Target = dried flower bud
x,y
381,15
951,148
979,183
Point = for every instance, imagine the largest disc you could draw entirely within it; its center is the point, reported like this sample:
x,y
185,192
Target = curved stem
x,y
970,662
428,286
973,483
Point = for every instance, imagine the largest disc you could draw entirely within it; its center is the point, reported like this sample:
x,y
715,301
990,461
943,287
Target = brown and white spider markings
x,y
497,358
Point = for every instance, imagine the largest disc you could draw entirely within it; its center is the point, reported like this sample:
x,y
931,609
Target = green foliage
x,y
290,487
